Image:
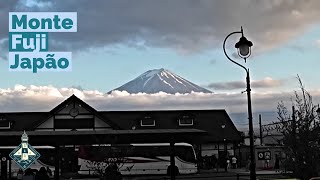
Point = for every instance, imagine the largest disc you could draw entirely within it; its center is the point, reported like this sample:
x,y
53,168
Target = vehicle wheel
x,y
176,171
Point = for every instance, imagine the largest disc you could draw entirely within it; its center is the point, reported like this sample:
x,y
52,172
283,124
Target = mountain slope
x,y
154,81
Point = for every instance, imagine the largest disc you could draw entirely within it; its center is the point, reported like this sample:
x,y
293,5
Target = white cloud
x,y
44,98
267,82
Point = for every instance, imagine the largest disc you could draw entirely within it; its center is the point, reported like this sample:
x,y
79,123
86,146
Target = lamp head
x,y
244,47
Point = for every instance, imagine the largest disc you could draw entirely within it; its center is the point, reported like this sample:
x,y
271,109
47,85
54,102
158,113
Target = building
x,y
222,134
74,116
266,151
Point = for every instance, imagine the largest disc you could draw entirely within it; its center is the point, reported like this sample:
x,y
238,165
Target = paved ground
x,y
240,174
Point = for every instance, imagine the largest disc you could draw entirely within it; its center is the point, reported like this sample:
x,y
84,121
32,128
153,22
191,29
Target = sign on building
x,y
264,155
24,154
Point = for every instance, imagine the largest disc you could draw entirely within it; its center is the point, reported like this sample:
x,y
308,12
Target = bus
x,y
138,159
46,160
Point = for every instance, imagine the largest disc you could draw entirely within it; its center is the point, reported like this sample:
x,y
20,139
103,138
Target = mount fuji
x,y
157,80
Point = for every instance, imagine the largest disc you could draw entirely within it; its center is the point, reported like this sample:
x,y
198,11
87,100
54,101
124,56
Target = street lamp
x,y
244,51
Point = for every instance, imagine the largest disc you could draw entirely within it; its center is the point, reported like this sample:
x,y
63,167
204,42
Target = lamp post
x,y
244,51
318,111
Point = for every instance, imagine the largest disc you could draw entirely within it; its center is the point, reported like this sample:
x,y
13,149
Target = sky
x,y
117,40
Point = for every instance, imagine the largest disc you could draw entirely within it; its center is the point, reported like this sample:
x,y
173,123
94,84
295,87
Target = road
x,y
217,176
206,175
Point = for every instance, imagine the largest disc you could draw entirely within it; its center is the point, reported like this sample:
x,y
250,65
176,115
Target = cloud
x,y
318,43
264,83
227,85
182,25
4,45
44,98
267,83
77,87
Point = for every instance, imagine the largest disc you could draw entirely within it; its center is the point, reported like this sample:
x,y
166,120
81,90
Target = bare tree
x,y
301,134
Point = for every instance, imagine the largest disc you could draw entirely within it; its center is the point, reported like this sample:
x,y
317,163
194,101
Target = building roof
x,y
74,98
23,120
208,120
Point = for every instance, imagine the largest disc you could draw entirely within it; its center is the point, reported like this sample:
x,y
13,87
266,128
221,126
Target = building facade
x,y
75,115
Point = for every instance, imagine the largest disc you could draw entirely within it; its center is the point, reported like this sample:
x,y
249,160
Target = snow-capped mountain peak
x,y
158,80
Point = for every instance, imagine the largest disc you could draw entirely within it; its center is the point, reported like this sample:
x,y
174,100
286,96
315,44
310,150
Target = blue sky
x,y
109,68
119,40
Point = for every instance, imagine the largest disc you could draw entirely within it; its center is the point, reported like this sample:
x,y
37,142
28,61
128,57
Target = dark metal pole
x,y
252,154
219,160
172,163
57,163
226,156
200,157
260,127
240,156
4,166
10,170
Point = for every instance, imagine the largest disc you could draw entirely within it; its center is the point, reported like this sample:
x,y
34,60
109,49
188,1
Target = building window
x,y
4,123
186,121
147,121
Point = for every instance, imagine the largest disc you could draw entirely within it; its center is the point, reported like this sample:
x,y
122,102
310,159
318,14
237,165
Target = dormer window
x,y
186,121
147,121
4,123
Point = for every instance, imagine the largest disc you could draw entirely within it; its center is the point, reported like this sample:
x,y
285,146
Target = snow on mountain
x,y
154,81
